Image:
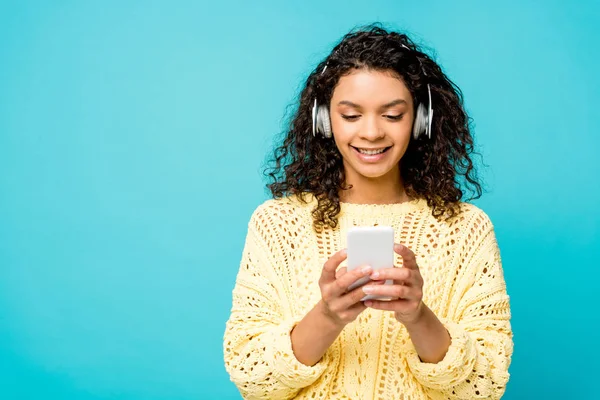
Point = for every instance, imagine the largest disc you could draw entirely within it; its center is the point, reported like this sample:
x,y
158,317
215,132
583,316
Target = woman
x,y
380,137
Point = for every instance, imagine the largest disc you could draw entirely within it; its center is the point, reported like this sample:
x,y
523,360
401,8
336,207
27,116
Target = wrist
x,y
429,336
328,320
418,318
313,335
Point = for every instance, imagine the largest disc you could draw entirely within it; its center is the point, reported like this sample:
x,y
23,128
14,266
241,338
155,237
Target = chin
x,y
374,173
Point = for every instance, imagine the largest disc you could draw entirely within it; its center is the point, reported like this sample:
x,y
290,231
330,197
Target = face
x,y
371,119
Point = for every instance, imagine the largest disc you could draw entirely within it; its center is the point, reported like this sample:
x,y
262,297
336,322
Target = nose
x,y
371,129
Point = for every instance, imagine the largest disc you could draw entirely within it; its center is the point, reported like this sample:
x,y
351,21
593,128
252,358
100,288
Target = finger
x,y
404,276
340,272
395,291
345,281
351,313
328,273
357,308
393,305
351,298
395,274
408,257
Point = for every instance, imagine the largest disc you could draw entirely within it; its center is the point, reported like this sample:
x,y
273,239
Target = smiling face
x,y
371,119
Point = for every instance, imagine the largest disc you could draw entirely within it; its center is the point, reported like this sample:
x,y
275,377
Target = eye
x,y
394,117
350,117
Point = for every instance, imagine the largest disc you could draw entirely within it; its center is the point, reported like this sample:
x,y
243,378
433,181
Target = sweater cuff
x,y
453,369
287,369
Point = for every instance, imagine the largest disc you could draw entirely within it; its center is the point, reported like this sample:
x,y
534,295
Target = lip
x,y
367,158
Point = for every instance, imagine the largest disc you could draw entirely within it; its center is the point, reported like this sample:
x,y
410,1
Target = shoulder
x,y
469,214
289,209
470,223
280,223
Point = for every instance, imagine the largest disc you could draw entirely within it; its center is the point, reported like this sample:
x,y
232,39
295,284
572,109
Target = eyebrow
x,y
388,105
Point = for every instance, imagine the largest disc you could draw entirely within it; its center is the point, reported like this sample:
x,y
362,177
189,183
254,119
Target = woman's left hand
x,y
406,289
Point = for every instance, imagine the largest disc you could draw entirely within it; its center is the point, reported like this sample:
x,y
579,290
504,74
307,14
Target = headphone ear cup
x,y
314,118
323,122
420,121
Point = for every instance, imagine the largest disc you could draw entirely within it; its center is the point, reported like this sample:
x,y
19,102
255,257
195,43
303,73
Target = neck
x,y
387,189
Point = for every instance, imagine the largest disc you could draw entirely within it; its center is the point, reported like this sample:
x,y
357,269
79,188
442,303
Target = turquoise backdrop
x,y
132,135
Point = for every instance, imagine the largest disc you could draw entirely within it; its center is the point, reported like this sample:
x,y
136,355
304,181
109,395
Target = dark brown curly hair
x,y
439,169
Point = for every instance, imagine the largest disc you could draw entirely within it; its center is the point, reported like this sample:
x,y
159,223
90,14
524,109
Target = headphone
x,y
321,122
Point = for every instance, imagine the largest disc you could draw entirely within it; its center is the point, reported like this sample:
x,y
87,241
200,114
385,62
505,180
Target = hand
x,y
340,306
406,288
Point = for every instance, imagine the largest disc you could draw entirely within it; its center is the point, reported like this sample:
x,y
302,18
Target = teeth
x,y
371,152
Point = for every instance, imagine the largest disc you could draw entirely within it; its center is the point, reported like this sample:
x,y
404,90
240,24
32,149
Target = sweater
x,y
373,357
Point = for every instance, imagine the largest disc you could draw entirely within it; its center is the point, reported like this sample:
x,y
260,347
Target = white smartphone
x,y
370,245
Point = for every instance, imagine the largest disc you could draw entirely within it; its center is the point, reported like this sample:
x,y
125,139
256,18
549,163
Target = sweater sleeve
x,y
476,363
257,344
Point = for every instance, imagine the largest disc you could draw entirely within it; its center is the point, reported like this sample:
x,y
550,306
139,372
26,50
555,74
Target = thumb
x,y
340,272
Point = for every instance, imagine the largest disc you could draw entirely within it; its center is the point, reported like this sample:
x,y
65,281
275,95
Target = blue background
x,y
132,135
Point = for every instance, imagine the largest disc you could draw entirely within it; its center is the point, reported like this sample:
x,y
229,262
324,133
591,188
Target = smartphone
x,y
370,245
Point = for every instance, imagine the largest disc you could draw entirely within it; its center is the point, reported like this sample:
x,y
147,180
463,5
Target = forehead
x,y
371,85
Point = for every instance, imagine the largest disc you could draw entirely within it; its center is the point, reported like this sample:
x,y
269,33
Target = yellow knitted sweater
x,y
373,357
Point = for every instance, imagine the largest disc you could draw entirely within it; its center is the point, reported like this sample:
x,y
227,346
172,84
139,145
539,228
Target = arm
x,y
322,325
429,336
314,335
257,345
476,362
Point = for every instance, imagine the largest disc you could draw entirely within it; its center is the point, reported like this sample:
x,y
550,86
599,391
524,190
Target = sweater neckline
x,y
361,209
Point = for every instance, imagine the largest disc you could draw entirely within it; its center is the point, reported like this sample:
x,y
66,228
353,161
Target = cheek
x,y
341,143
342,132
402,131
341,128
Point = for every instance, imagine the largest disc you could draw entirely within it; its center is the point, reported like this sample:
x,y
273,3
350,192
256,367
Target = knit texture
x,y
373,357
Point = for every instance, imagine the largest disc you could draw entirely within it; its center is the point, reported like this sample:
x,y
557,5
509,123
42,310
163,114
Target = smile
x,y
371,155
371,152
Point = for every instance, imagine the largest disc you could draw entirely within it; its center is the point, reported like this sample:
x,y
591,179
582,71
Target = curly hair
x,y
439,169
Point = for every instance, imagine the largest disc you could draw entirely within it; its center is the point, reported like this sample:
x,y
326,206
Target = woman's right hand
x,y
339,305
321,326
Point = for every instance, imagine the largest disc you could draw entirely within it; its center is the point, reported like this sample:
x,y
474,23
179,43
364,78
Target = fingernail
x,y
368,303
366,269
375,275
399,246
368,289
